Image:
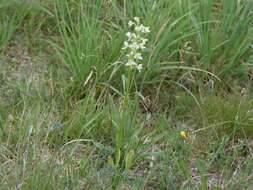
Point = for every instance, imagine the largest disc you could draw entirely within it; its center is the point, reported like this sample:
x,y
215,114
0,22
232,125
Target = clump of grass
x,y
229,114
223,34
81,37
11,16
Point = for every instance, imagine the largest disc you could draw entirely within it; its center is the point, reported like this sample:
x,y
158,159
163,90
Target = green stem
x,y
127,88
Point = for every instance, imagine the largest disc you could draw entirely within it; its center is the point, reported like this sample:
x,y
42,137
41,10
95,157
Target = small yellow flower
x,y
183,135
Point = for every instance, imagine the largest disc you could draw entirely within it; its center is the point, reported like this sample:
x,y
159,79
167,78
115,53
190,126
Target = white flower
x,y
142,46
138,56
144,29
131,63
131,54
137,20
126,45
130,23
144,41
129,35
137,29
139,67
134,45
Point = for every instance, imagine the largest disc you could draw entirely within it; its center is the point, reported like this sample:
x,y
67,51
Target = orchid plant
x,y
133,47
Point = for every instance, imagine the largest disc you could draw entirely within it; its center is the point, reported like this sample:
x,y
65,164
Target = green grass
x,y
73,116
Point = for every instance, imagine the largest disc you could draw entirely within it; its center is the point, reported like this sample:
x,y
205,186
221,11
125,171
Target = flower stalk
x,y
134,46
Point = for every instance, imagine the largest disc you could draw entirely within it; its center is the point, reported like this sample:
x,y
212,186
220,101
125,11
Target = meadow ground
x,y
126,94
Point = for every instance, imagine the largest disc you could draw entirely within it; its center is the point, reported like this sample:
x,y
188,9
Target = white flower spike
x,y
135,43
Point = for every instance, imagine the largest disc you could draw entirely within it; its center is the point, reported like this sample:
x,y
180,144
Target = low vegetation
x,y
116,94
